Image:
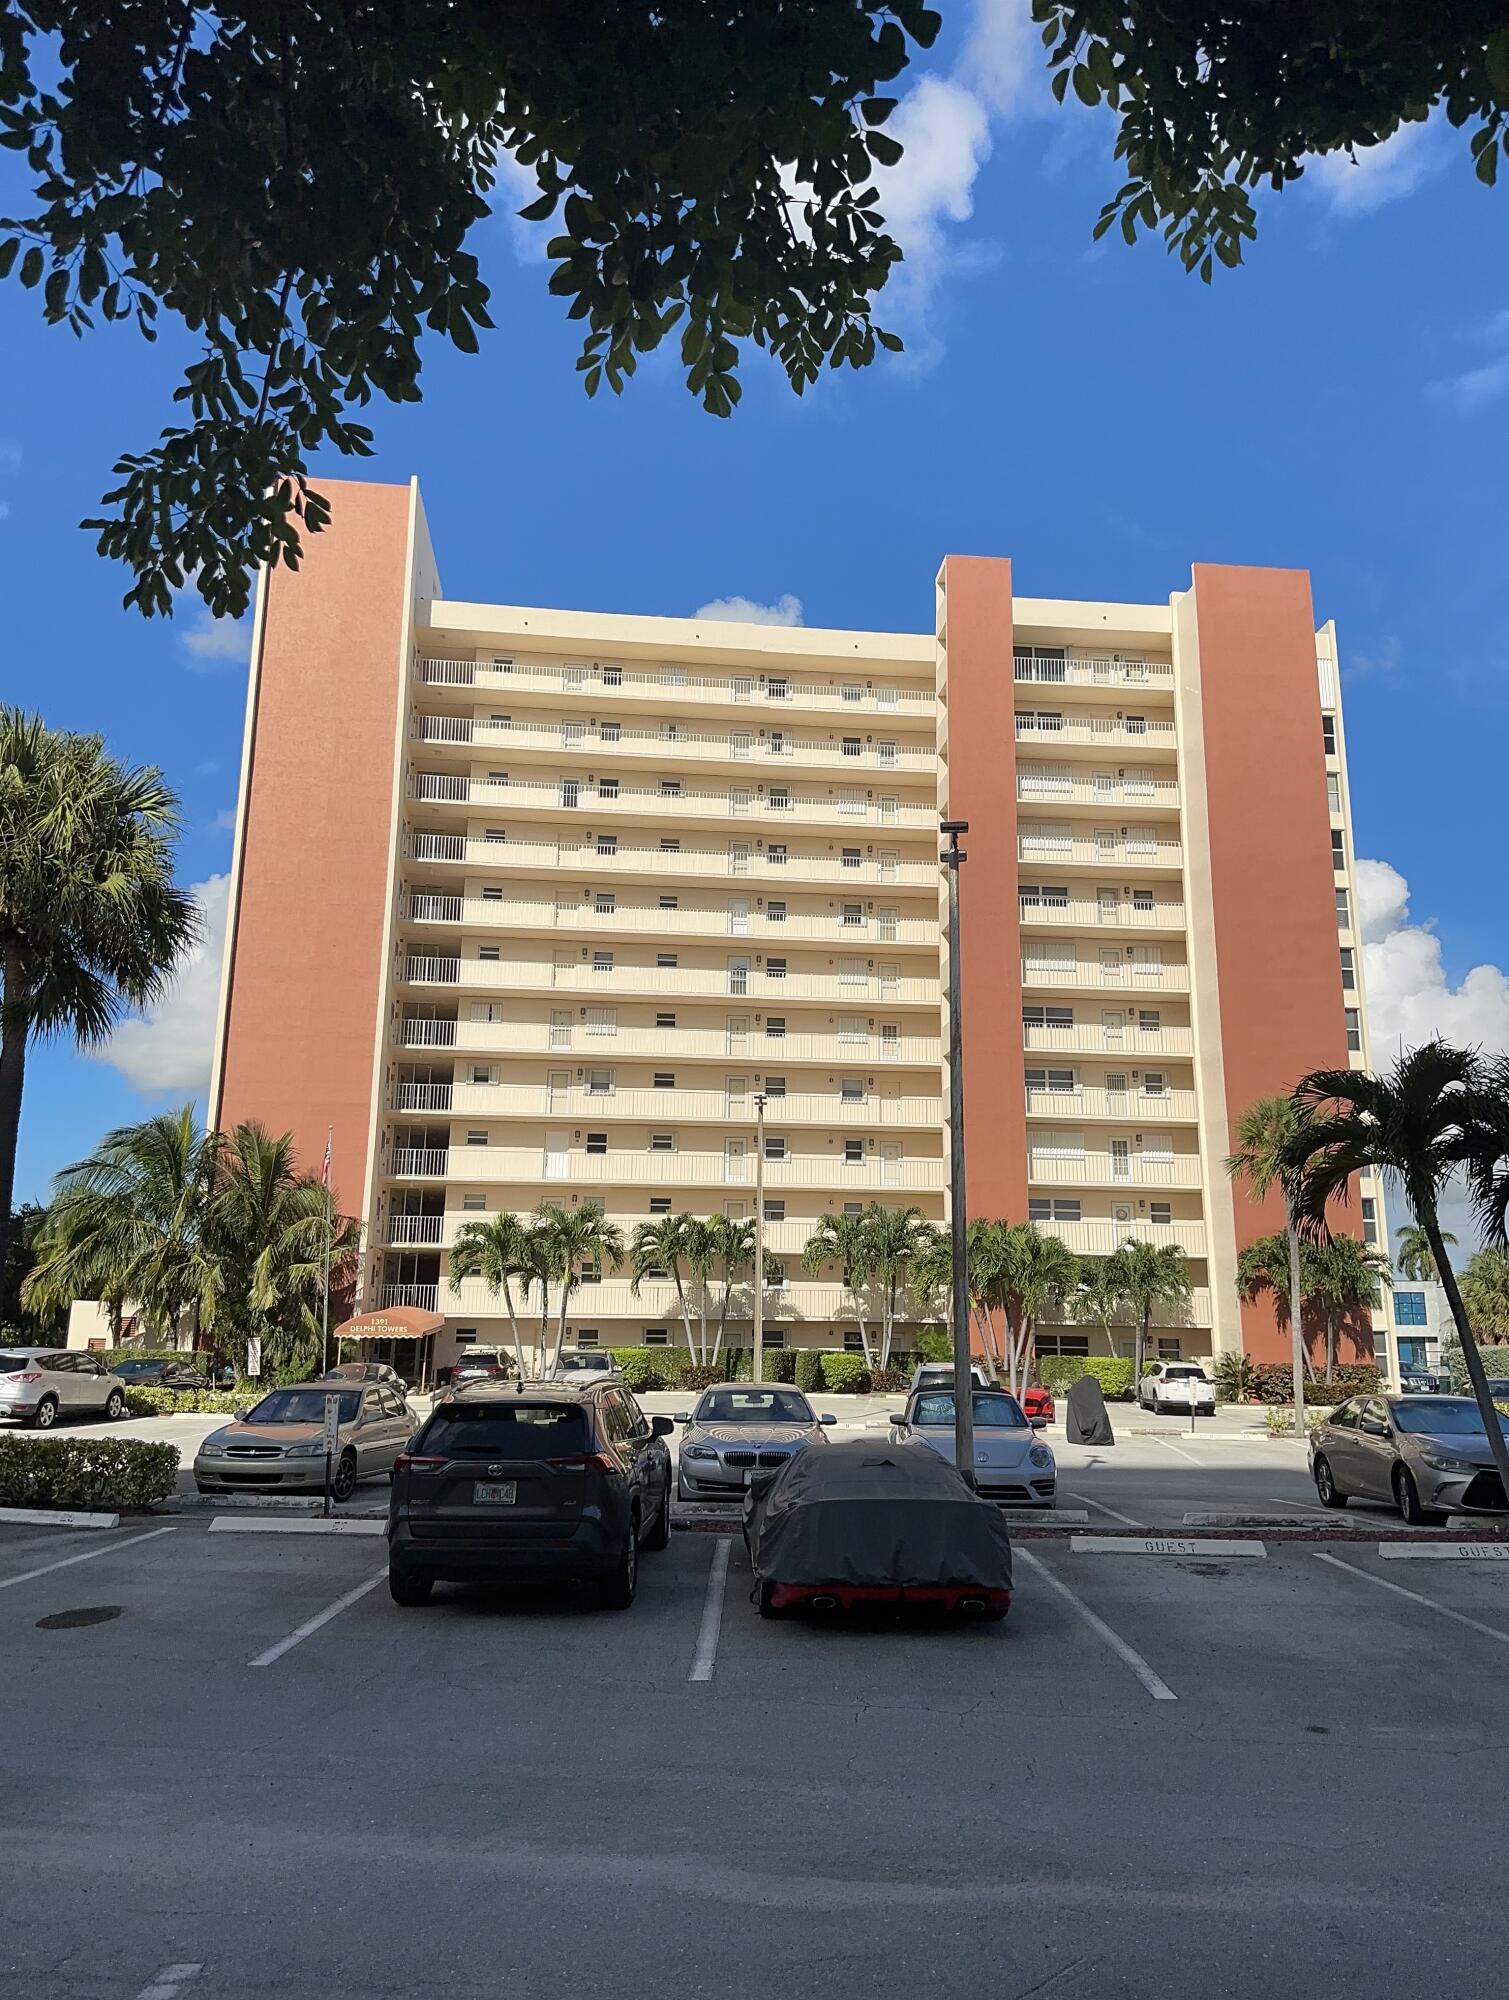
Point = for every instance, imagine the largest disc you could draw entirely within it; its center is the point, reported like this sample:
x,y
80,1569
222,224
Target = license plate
x,y
488,1493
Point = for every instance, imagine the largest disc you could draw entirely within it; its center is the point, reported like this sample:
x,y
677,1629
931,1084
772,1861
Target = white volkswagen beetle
x,y
1177,1385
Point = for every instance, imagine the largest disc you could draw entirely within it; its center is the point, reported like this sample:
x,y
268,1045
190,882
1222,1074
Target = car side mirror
x,y
662,1427
828,1420
682,1417
1375,1429
241,1416
900,1423
1038,1423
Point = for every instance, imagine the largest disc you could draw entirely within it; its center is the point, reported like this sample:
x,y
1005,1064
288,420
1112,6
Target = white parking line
x,y
1415,1597
9,1582
170,1982
1101,1508
312,1625
1158,1688
1178,1451
1299,1506
706,1652
296,1524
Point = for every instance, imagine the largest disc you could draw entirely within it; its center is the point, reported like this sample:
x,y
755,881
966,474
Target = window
x,y
776,912
602,961
571,791
854,1208
848,857
613,677
775,854
607,843
1168,1347
1032,896
851,915
851,1027
851,1090
1348,968
1338,850
780,798
1328,734
599,1083
1047,1017
775,1210
851,692
1369,1219
850,746
1160,1213
773,1336
607,788
586,1336
609,732
669,902
496,834
662,1142
665,961
851,972
1142,899
1058,1208
670,788
605,902
489,953
1409,1309
660,1204
597,1142
474,1204
602,1020
775,1027
657,1336
778,688
1343,911
665,1079
775,1086
492,895
669,732
775,1146
1354,1029
887,755
1333,792
775,1274
1154,1083
1057,1080
1071,1344
591,1273
854,1152
775,968
668,845
665,1020
852,803
852,1342
1149,1020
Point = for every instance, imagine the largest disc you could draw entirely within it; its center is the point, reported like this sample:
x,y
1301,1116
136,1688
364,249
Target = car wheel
x,y
616,1592
1407,1498
46,1413
115,1406
409,1590
660,1534
1330,1494
343,1480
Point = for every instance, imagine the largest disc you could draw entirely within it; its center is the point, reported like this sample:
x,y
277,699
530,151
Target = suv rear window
x,y
516,1431
13,1364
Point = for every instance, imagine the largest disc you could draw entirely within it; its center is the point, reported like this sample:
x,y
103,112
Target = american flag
x,y
325,1170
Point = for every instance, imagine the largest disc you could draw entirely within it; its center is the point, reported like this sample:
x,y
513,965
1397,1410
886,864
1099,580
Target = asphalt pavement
x,y
232,1770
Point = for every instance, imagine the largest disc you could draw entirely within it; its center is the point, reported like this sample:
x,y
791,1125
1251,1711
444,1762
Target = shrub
x,y
85,1472
887,1381
1059,1372
701,1375
780,1364
1233,1374
1273,1382
935,1344
844,1374
1280,1419
177,1402
808,1373
651,1367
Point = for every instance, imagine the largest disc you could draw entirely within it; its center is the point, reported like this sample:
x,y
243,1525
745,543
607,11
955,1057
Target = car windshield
x,y
993,1410
754,1406
301,1406
509,1431
1441,1416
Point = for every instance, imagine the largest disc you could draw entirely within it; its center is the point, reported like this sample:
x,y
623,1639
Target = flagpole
x,y
329,1235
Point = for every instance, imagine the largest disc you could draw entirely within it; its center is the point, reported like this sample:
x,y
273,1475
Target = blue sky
x,y
1338,404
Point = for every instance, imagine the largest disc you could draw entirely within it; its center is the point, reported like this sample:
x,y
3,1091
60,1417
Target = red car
x,y
1037,1403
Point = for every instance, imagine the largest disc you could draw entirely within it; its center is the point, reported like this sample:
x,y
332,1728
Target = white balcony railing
x,y
869,864
415,1229
425,1296
1047,784
1113,1170
572,912
422,1096
418,1162
580,1103
870,693
599,1041
1125,975
1100,1235
868,807
1195,1312
1044,848
534,1168
675,743
1126,1107
1051,729
1131,1041
1105,913
427,1035
683,982
798,1300
1089,670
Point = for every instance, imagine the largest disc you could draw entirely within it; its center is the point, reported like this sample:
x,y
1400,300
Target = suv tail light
x,y
585,1461
407,1461
25,1375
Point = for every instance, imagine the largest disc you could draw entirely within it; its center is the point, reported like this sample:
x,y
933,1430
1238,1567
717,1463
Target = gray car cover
x,y
1087,1420
872,1513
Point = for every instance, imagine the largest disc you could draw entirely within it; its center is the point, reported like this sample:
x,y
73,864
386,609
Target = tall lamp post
x,y
953,857
758,1367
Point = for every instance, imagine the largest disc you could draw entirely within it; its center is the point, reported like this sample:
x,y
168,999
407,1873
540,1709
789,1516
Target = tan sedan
x,y
279,1445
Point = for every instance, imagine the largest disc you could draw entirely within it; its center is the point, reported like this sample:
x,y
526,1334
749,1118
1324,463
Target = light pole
x,y
758,1367
953,857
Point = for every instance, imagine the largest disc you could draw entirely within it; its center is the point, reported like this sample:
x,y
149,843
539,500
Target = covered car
x,y
865,1523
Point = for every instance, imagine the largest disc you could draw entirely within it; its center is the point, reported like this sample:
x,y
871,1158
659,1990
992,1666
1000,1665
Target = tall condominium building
x,y
531,904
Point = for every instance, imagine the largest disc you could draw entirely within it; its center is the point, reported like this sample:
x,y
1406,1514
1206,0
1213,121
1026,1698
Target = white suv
x,y
1177,1385
40,1384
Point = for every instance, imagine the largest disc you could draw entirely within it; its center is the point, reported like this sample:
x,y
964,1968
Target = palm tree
x,y
658,1246
699,1246
1485,1292
845,1241
1345,1275
932,1274
128,1223
1265,1132
1099,1295
1035,1271
1414,1258
1422,1120
734,1245
496,1251
90,922
569,1238
896,1236
1151,1276
987,1252
1264,1266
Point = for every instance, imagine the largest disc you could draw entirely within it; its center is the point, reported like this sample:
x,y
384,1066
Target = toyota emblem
x,y
494,1470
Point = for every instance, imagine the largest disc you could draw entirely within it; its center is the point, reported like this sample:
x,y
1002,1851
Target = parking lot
x,y
1193,1776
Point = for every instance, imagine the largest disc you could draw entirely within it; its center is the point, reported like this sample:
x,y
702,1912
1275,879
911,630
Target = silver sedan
x,y
279,1446
1428,1455
1012,1464
738,1430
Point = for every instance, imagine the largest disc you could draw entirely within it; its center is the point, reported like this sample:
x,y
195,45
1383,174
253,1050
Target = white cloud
x,y
1475,386
786,610
518,186
224,820
1408,993
4,510
171,1047
207,640
1357,182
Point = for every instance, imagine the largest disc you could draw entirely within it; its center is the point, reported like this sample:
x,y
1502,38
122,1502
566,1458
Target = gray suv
x,y
535,1479
40,1384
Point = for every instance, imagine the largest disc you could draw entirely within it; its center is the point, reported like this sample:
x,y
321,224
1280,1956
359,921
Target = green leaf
x,y
538,211
1084,85
1060,84
31,267
1496,62
1488,165
876,110
8,252
892,342
883,148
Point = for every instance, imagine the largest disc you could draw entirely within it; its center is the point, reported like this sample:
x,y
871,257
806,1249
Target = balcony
x,y
1100,1236
866,694
866,808
1085,729
1123,1107
426,1297
1116,791
426,1035
1130,1042
406,1163
683,982
580,1104
805,1300
542,1172
745,859
1125,976
1195,1312
1047,849
782,1239
1113,1170
676,744
604,1041
580,913
421,1096
405,1231
1093,671
1105,913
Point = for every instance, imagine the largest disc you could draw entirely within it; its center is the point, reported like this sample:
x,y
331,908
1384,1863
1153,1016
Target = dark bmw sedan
x,y
548,1480
1429,1455
738,1430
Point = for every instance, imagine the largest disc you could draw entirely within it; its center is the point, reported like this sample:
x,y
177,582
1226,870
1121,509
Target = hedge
x,y
177,1402
85,1472
934,1345
1273,1382
1059,1372
845,1374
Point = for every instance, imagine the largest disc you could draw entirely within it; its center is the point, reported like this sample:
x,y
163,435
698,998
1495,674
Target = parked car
x,y
368,1371
1012,1464
1429,1455
1037,1403
479,1364
1176,1385
278,1446
587,1361
40,1384
540,1479
863,1525
166,1374
737,1430
940,1375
